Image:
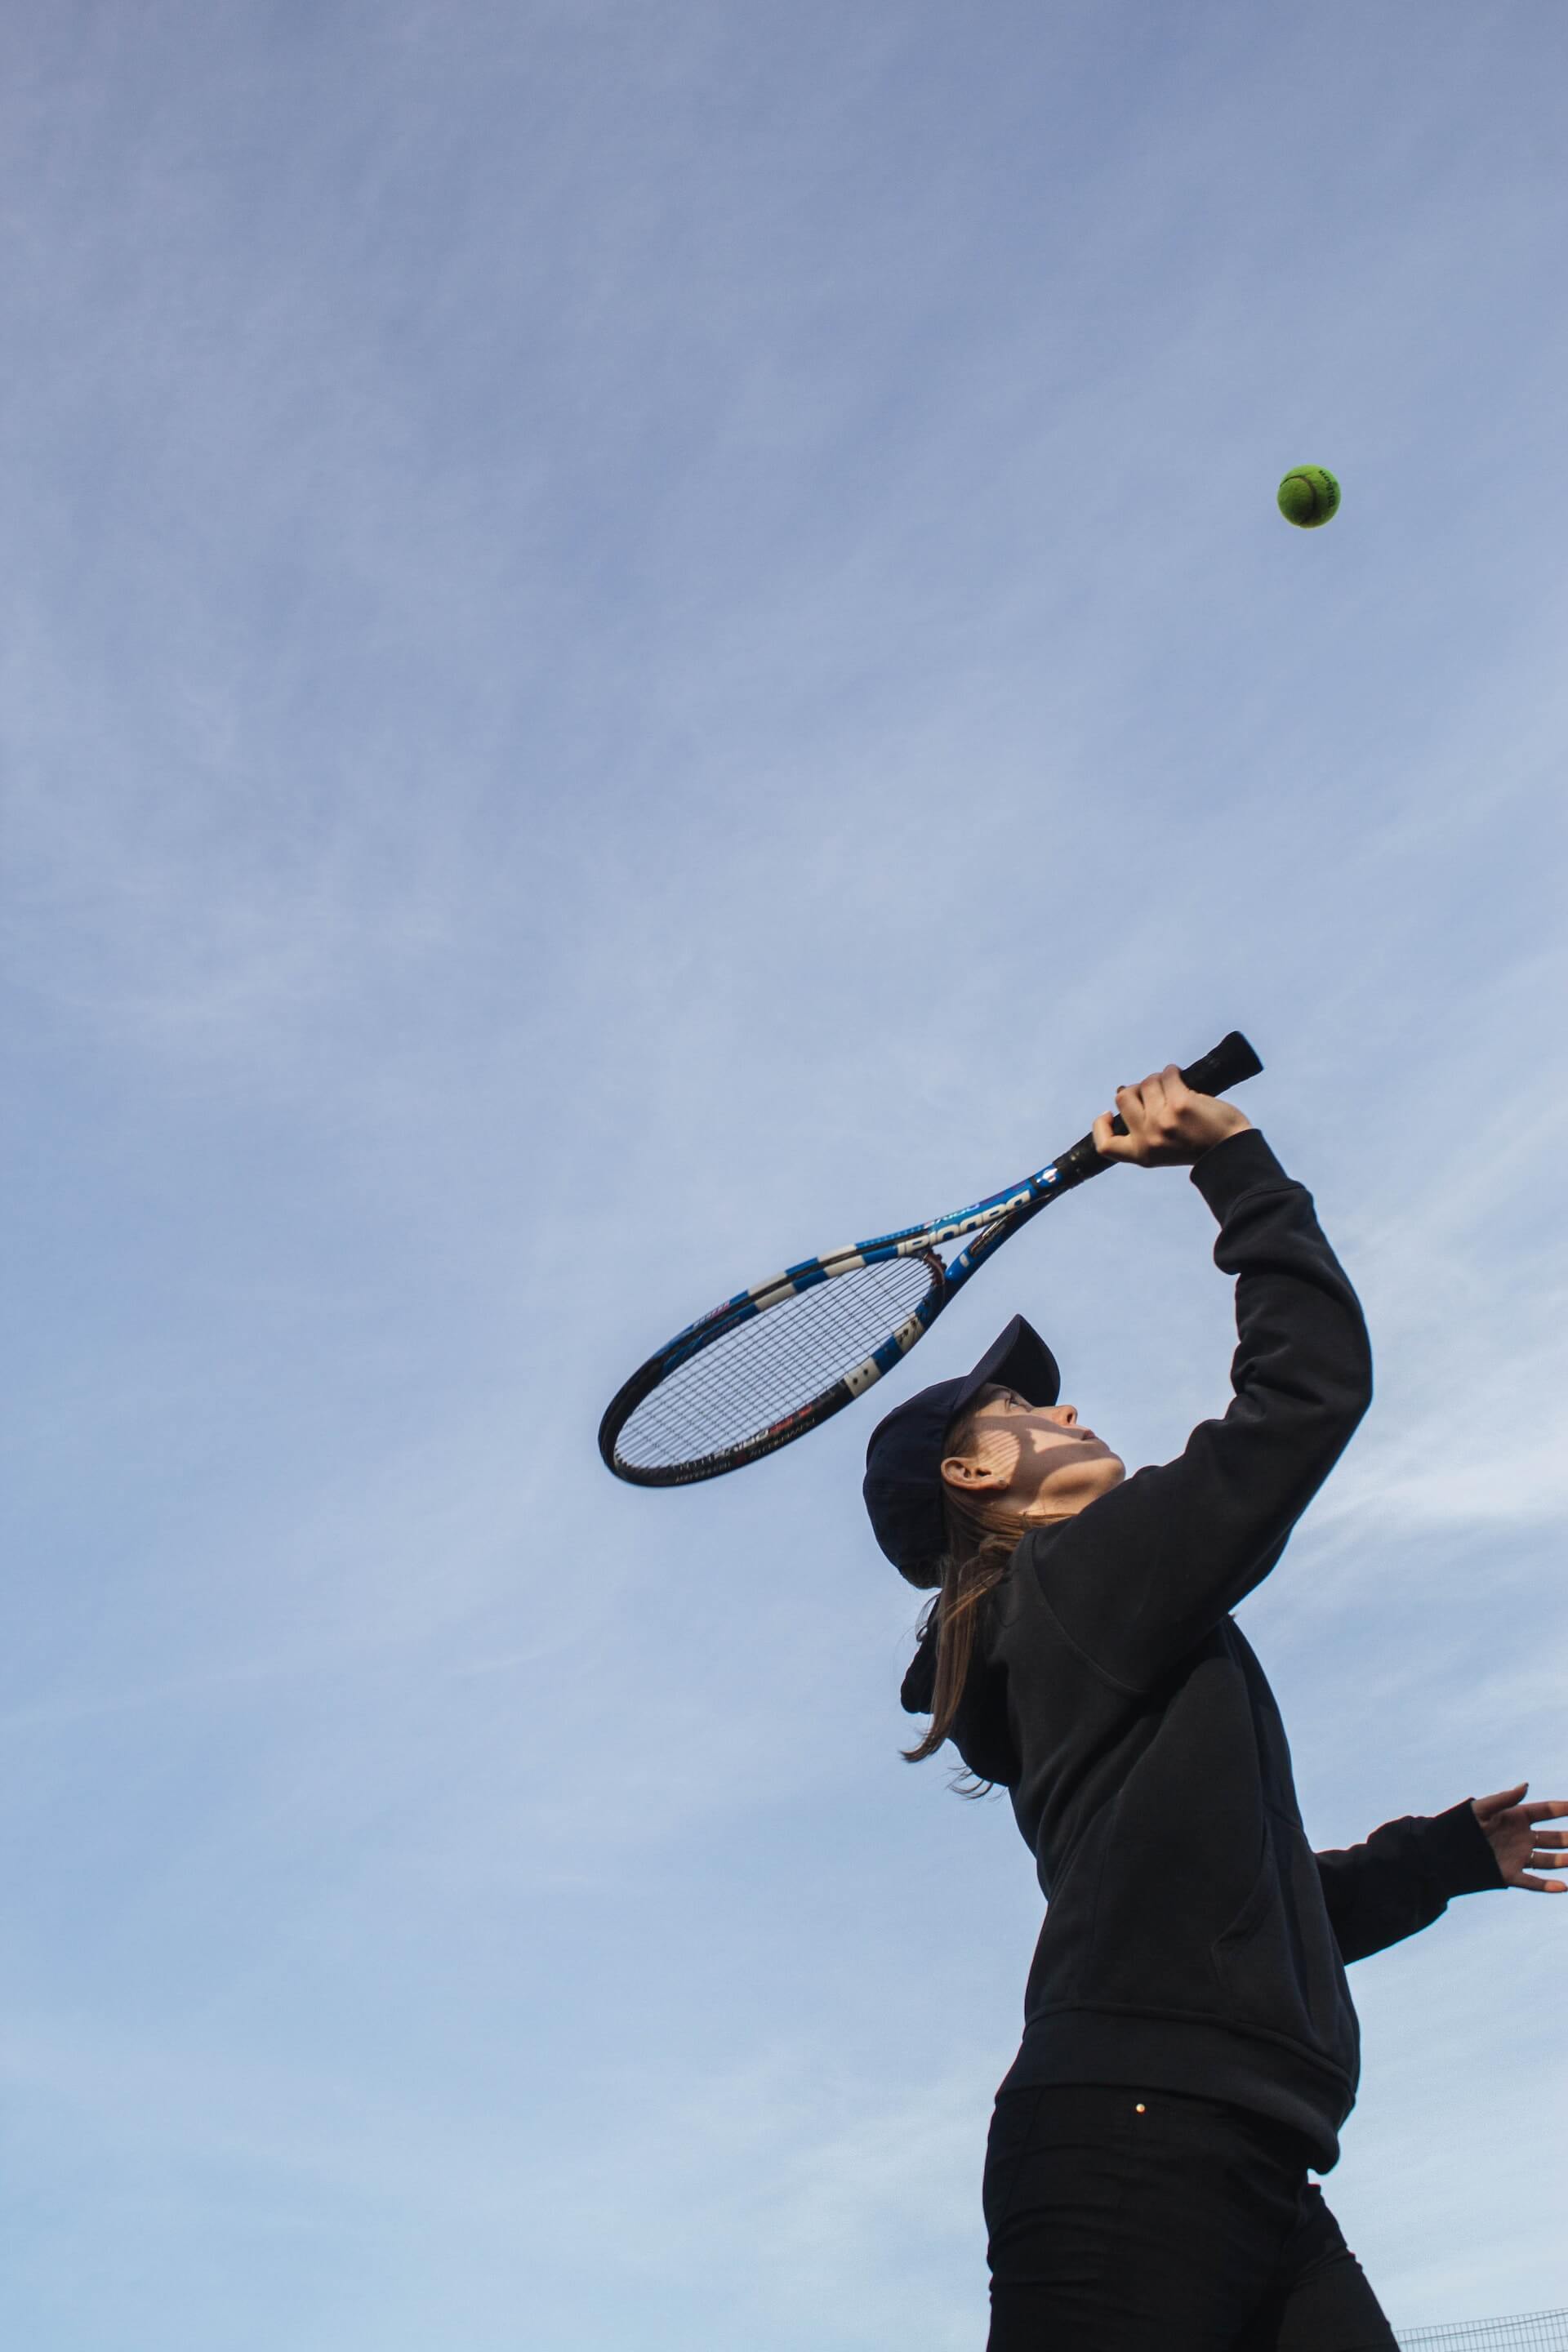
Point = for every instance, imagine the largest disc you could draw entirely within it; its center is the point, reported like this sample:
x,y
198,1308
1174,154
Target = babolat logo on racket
x,y
775,1360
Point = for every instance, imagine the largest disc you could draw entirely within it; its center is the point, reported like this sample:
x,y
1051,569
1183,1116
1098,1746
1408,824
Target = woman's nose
x,y
1068,1415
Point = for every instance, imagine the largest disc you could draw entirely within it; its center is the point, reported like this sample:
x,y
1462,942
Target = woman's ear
x,y
971,1478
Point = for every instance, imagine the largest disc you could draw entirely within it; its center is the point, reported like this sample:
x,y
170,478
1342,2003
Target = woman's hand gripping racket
x,y
776,1360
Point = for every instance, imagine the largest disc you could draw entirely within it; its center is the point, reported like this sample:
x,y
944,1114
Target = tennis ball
x,y
1308,495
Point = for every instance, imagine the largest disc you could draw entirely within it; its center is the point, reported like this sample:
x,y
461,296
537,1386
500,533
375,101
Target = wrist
x,y
1240,1163
1236,1124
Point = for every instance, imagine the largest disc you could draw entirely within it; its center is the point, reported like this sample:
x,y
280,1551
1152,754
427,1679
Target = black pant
x,y
1143,2221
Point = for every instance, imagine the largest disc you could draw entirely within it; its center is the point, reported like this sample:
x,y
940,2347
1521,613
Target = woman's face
x,y
1038,1458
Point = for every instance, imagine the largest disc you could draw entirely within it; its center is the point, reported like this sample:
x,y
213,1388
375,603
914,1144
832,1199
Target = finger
x,y
1489,1806
1545,1809
1111,1146
1177,1091
1151,1116
1135,1116
1540,1886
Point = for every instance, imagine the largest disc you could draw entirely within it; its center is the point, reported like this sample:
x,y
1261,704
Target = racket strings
x,y
772,1366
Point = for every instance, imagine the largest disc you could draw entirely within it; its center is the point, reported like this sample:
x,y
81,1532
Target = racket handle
x,y
1231,1061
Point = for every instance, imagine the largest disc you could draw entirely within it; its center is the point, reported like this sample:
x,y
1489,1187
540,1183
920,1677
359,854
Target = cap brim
x,y
1018,1358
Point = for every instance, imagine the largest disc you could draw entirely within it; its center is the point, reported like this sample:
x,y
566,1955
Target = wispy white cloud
x,y
671,645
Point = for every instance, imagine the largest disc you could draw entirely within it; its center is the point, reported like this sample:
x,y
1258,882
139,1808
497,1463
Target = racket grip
x,y
1230,1062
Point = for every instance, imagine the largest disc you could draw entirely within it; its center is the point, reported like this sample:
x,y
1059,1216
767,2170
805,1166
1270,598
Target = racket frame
x,y
992,1221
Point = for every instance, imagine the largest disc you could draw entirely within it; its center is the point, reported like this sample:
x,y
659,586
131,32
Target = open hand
x,y
1168,1126
1516,1840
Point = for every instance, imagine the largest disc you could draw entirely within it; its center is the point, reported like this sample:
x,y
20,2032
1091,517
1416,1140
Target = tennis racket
x,y
785,1356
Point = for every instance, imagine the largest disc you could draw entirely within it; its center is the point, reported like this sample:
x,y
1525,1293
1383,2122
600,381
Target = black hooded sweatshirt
x,y
1192,1941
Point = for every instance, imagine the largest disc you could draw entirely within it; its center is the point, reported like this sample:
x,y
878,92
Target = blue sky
x,y
635,638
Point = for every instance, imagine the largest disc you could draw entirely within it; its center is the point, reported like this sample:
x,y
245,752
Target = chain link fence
x,y
1532,2331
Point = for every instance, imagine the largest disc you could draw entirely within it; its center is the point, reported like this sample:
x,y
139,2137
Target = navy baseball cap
x,y
903,1461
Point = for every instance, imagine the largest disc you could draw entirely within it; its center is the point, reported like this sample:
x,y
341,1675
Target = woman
x,y
1190,2048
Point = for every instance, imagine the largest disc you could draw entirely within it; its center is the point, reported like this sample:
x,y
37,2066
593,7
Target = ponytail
x,y
980,1546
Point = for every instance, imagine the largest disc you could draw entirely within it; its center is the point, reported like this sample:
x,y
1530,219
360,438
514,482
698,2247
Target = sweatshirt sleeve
x,y
1146,1571
1403,1877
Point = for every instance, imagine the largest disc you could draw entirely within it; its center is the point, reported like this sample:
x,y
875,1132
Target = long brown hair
x,y
981,1537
